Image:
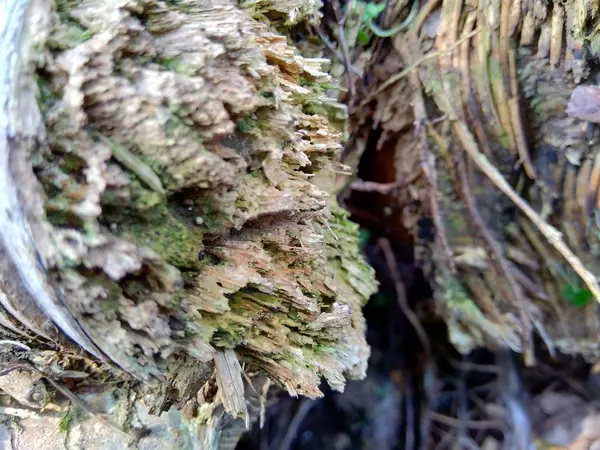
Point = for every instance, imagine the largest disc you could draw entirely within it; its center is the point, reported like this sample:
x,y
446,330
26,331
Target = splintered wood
x,y
231,384
163,203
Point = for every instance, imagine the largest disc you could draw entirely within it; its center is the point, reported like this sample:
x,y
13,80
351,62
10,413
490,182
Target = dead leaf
x,y
585,103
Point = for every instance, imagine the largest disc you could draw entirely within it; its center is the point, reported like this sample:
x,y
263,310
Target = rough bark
x,y
164,206
509,170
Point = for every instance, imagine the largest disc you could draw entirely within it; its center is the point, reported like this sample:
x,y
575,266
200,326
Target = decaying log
x,y
164,178
491,91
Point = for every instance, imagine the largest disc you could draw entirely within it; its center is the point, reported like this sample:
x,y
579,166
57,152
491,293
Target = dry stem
x,y
390,259
398,76
342,41
552,235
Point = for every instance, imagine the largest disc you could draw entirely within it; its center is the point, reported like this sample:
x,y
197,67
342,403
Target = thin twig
x,y
515,115
472,367
457,165
552,235
383,188
495,254
372,186
428,163
65,391
263,401
463,401
15,344
470,424
142,170
467,443
331,48
290,434
512,395
390,259
410,415
423,14
431,392
77,401
383,33
21,413
341,35
447,439
394,78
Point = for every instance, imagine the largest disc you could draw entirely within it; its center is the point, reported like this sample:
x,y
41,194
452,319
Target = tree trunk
x,y
166,230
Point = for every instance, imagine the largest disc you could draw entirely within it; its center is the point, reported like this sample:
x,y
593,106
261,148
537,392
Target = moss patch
x,y
174,241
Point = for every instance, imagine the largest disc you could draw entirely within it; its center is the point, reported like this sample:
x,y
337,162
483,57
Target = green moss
x,y
247,124
504,140
89,228
457,224
69,35
145,200
58,212
458,300
173,64
342,237
203,329
65,422
595,45
72,164
229,337
212,221
454,294
260,298
176,242
173,123
63,8
110,304
47,97
140,203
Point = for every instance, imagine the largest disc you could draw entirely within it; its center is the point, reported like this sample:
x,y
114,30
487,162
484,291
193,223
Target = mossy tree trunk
x,y
168,237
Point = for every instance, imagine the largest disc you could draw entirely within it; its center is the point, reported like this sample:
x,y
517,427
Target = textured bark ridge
x,y
174,199
513,173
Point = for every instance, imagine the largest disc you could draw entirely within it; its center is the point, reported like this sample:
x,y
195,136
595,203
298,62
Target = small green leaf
x,y
568,293
576,296
363,37
582,298
65,421
372,11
